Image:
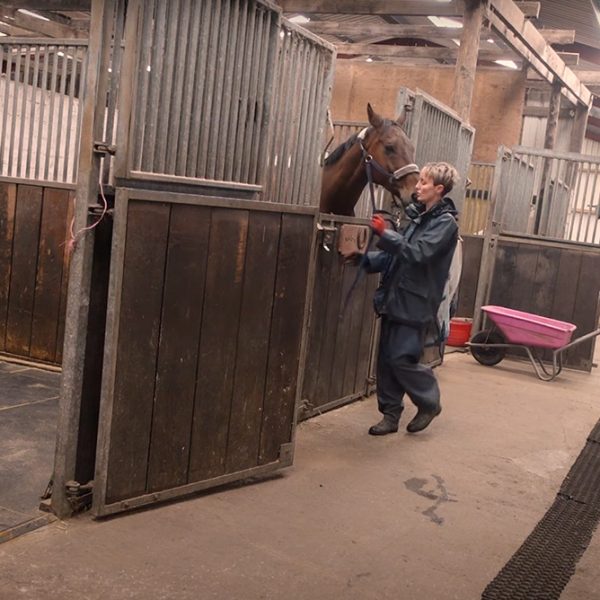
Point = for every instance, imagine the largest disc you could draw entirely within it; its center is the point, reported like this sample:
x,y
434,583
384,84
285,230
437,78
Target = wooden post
x,y
579,127
553,112
466,63
81,262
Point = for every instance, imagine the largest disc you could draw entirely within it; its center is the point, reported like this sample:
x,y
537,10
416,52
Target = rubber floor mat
x,y
541,568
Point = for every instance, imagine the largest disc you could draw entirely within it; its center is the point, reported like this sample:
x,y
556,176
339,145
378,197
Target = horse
x,y
383,149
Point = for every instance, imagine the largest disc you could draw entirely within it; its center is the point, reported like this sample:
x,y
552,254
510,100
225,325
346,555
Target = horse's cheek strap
x,y
405,170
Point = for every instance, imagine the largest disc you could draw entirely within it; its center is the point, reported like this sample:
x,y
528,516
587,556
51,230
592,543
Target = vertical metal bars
x,y
302,90
549,194
438,135
203,93
40,93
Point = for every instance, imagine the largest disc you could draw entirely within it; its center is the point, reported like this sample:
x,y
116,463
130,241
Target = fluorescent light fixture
x,y
445,22
3,34
32,14
368,59
490,41
457,42
299,19
511,64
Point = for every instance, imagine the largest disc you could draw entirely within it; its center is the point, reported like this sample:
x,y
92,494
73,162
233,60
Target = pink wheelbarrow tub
x,y
518,329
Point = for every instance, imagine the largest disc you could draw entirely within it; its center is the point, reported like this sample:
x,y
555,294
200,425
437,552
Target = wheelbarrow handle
x,y
583,338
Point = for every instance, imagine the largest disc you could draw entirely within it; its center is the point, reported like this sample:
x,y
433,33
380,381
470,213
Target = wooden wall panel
x,y
34,259
243,440
23,276
218,342
181,316
286,334
339,344
137,348
8,202
49,277
472,251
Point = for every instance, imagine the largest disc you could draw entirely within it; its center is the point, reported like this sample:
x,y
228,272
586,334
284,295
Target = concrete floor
x,y
432,516
28,409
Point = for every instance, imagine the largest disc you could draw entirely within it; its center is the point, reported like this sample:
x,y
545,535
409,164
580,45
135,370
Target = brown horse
x,y
383,148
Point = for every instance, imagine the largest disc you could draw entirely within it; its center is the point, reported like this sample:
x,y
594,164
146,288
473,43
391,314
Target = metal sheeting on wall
x,y
549,194
303,88
474,216
40,91
438,135
202,98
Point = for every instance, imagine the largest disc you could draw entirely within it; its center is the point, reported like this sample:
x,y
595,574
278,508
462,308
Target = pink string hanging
x,y
76,236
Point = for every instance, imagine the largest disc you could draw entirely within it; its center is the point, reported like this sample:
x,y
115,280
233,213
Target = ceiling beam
x,y
12,31
588,77
389,7
385,30
389,51
48,28
60,5
527,41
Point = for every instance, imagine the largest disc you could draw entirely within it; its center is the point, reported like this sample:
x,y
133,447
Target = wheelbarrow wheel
x,y
489,355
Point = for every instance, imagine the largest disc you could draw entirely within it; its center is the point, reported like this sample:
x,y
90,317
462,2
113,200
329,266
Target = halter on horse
x,y
381,153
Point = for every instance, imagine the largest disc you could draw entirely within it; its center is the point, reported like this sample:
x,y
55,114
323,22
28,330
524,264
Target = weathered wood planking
x,y
137,348
49,276
253,341
28,217
339,340
34,228
178,349
286,334
218,342
208,352
472,250
8,200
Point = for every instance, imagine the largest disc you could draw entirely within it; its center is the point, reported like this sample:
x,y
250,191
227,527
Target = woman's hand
x,y
378,224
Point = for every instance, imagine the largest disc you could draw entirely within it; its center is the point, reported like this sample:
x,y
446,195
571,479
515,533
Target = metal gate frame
x,y
237,193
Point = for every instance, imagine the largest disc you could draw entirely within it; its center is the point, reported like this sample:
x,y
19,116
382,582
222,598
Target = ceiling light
x,y
32,14
368,59
445,22
299,19
511,64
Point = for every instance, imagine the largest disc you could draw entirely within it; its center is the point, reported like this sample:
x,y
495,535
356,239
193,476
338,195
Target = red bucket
x,y
460,331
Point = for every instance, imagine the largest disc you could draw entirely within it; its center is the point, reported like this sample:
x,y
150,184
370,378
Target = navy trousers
x,y
399,371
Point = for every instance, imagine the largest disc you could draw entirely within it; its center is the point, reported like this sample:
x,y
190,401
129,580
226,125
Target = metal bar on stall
x,y
23,116
32,111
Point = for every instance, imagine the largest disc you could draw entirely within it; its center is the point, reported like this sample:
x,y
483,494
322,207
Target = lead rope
x,y
363,261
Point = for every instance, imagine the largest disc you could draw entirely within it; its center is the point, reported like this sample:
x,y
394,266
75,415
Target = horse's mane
x,y
343,147
340,150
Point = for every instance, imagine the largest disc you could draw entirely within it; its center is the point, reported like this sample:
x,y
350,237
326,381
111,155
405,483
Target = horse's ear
x,y
402,117
375,120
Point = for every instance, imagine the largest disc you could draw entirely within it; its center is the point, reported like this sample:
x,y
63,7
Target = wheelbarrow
x,y
530,332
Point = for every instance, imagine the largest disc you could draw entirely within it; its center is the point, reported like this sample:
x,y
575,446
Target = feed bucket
x,y
460,331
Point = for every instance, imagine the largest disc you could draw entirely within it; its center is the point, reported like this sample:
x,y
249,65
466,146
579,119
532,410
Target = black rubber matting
x,y
543,565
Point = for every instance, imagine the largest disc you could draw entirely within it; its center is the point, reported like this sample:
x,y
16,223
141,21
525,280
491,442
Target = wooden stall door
x,y
206,320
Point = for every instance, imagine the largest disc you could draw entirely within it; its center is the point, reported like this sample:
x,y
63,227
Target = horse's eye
x,y
390,149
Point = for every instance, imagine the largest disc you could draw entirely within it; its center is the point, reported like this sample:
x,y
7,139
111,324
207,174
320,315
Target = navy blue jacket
x,y
415,264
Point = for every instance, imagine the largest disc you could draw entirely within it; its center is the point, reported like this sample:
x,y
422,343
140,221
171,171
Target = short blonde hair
x,y
442,173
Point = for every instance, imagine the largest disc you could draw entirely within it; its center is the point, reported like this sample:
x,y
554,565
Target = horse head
x,y
393,152
383,149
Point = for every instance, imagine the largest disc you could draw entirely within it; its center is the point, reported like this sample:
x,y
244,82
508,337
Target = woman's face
x,y
427,192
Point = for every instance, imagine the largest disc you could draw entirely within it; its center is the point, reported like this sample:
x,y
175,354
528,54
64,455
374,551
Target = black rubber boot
x,y
386,425
422,420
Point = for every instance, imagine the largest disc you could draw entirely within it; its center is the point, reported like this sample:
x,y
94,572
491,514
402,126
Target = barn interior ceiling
x,y
421,33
